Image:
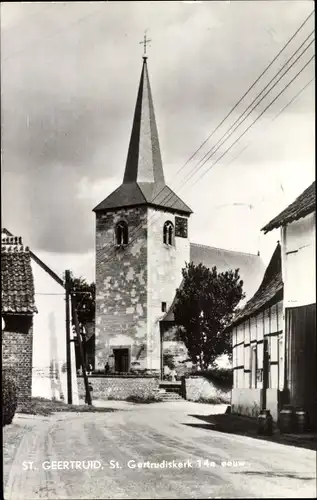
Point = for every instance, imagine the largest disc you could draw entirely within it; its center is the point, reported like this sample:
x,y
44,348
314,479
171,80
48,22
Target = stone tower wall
x,y
121,286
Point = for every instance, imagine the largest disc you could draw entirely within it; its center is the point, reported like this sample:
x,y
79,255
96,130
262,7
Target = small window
x,y
163,307
121,233
168,233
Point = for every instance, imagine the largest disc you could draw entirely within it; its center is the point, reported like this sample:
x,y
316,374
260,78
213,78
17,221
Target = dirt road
x,y
151,451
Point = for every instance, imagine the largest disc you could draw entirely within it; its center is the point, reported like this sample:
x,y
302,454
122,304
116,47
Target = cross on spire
x,y
144,42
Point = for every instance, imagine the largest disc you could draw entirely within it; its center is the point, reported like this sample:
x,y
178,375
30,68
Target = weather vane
x,y
144,42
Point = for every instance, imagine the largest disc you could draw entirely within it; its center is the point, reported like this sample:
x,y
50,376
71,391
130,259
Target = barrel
x,y
301,420
265,423
286,419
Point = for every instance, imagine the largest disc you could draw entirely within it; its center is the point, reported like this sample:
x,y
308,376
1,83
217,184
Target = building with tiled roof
x,y
18,308
250,267
17,284
33,305
297,225
304,205
270,290
258,326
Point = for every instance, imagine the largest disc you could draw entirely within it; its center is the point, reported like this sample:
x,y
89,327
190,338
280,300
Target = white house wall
x,y
298,262
247,340
49,377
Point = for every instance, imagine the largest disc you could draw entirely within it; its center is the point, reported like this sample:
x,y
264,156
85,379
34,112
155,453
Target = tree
x,y
85,294
205,304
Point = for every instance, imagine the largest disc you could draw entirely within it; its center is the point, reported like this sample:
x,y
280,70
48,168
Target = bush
x,y
143,399
9,398
216,400
220,377
46,407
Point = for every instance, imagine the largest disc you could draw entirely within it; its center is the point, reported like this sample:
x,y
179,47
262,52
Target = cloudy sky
x,y
69,78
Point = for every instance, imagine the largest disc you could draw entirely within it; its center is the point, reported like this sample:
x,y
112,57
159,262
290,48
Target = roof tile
x,y
270,288
302,206
17,291
143,181
250,267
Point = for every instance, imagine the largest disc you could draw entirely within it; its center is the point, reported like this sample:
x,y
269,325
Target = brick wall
x,y
17,356
121,286
119,387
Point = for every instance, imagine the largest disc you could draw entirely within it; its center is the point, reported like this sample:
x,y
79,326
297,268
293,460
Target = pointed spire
x,y
143,181
144,163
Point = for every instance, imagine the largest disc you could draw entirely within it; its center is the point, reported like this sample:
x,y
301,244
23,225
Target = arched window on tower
x,y
121,233
168,233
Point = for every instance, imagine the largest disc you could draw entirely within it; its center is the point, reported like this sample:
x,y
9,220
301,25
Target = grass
x,y
45,407
216,400
143,400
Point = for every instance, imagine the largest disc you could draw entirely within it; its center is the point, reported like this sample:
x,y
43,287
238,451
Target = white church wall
x,y
165,265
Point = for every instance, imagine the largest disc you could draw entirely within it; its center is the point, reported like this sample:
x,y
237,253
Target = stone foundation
x,y
248,402
119,388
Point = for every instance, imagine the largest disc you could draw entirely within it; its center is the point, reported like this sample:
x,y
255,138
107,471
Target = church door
x,y
121,360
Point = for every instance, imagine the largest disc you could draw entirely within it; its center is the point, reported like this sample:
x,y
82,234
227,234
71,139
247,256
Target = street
x,y
104,455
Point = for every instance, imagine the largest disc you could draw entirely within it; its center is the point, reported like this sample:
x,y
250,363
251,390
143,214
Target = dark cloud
x,y
69,81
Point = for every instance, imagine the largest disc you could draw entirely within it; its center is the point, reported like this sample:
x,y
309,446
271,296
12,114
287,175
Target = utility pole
x,y
68,351
81,351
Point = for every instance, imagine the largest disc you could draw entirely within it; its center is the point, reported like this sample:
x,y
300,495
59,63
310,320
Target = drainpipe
x,y
286,320
161,350
265,373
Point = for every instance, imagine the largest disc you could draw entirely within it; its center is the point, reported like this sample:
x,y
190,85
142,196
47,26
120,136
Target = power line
x,y
272,79
244,132
169,196
246,93
191,173
275,117
241,99
212,151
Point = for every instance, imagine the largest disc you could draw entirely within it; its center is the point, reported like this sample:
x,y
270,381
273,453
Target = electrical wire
x,y
237,104
186,181
244,132
275,117
208,155
169,196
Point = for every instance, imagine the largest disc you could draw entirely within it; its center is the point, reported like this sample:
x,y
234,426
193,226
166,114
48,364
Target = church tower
x,y
141,247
